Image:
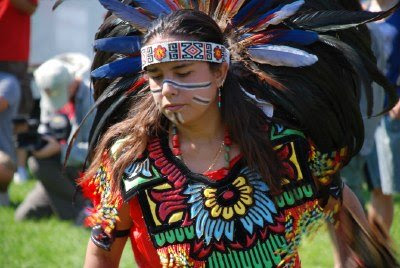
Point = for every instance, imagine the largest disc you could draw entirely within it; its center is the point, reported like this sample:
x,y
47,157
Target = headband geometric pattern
x,y
184,51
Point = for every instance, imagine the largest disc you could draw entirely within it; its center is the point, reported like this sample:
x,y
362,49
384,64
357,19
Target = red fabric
x,y
143,249
15,32
69,110
221,173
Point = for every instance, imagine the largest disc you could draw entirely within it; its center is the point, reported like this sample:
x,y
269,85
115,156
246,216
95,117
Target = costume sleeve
x,y
325,168
104,215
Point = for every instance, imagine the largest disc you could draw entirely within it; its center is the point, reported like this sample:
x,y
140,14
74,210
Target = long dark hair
x,y
244,120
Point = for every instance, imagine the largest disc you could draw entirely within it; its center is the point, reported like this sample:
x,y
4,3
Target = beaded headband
x,y
184,51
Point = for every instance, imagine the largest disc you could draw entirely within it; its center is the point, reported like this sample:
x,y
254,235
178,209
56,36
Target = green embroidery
x,y
298,193
280,201
288,197
280,132
136,182
263,254
308,192
176,235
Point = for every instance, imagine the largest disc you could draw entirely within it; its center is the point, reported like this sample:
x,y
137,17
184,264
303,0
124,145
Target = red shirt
x,y
15,32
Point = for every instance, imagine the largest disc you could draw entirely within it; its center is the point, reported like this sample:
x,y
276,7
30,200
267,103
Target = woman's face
x,y
184,91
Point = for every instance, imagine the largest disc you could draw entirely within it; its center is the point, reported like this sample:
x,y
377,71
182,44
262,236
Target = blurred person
x,y
384,166
14,56
9,101
15,44
64,95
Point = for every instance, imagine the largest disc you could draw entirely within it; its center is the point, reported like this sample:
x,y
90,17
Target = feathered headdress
x,y
284,42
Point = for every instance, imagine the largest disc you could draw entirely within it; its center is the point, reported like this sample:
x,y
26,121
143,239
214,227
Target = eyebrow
x,y
155,69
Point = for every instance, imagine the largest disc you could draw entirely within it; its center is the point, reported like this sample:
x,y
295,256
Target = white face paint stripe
x,y
183,86
201,100
157,90
180,118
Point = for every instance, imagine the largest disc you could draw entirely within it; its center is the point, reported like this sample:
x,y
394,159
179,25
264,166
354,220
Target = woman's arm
x,y
359,245
98,257
340,235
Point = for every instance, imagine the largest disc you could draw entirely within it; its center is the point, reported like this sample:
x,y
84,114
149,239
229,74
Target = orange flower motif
x,y
218,53
159,52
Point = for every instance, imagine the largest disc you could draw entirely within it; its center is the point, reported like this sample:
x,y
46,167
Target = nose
x,y
168,90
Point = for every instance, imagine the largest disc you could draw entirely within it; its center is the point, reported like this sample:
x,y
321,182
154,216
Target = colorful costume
x,y
217,219
191,220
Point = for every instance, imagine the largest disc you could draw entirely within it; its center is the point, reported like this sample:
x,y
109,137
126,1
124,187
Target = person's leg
x,y
36,205
381,209
59,186
353,175
7,169
20,70
21,175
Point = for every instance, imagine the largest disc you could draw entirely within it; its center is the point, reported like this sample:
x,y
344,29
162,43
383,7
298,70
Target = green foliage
x,y
54,243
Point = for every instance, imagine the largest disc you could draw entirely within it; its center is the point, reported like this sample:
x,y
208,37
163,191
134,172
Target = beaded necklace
x,y
226,144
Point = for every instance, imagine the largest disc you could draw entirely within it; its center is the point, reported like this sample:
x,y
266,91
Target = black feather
x,y
57,3
106,119
332,20
358,66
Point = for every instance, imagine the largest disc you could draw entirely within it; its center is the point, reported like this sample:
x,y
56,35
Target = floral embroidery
x,y
217,211
218,53
160,52
218,201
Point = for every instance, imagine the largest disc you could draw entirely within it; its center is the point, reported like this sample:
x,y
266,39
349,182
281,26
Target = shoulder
x,y
294,147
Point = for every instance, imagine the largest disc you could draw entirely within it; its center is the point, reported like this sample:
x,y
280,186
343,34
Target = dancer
x,y
229,149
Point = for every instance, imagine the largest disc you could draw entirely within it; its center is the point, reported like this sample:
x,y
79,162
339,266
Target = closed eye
x,y
183,74
155,77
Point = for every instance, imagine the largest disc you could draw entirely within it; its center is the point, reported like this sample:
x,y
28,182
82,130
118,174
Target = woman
x,y
216,162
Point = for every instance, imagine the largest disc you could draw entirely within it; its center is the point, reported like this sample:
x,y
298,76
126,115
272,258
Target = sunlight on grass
x,y
44,243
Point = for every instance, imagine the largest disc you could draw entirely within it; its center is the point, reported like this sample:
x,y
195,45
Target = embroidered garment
x,y
184,219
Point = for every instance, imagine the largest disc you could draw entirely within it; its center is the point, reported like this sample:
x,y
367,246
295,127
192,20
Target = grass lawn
x,y
55,243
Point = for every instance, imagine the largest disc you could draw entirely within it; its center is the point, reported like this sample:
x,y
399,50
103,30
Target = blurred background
x,y
52,238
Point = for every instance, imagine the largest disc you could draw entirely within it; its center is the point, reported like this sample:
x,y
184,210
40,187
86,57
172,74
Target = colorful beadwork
x,y
184,50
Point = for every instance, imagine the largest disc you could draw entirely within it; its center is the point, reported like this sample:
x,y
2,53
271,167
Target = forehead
x,y
176,65
159,38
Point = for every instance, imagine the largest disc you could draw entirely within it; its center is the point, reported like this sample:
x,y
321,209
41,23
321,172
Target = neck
x,y
206,129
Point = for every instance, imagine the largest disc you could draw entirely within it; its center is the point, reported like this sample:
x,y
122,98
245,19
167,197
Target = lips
x,y
173,107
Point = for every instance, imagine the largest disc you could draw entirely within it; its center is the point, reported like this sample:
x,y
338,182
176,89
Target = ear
x,y
220,73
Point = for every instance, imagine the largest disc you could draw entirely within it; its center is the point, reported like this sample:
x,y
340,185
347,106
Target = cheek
x,y
157,97
202,97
